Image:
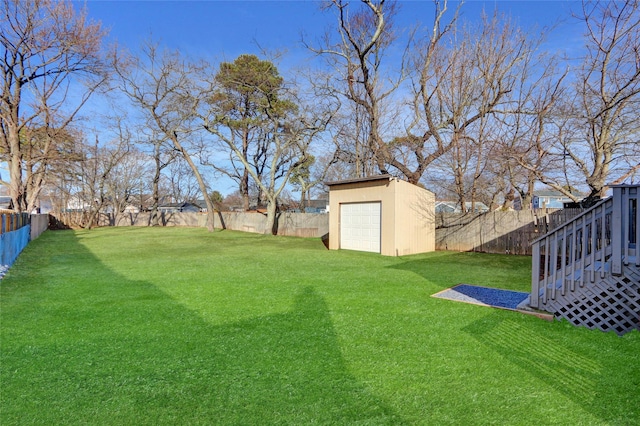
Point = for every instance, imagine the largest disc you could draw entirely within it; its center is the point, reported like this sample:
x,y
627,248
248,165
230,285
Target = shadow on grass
x,y
446,269
98,348
571,361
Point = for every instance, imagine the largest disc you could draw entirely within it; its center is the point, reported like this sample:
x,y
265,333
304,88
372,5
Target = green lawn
x,y
178,326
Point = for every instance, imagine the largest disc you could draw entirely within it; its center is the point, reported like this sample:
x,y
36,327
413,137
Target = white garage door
x,y
360,226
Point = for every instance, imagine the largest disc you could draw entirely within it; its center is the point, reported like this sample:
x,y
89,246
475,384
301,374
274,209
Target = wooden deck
x,y
588,270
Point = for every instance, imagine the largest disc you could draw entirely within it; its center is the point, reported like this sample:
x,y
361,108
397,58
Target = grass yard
x,y
178,326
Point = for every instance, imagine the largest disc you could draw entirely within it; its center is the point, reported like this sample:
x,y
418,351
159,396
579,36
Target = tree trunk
x,y
303,199
155,218
270,228
244,189
16,189
211,214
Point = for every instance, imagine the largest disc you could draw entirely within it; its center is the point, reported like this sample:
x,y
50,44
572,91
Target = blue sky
x,y
222,30
219,30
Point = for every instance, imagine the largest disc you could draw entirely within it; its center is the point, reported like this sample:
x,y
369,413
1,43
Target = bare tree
x,y
581,128
356,55
163,155
64,179
127,181
607,92
47,47
463,80
527,134
180,184
164,88
350,132
95,170
308,176
47,154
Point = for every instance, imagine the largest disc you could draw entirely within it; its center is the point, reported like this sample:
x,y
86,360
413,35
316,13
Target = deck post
x,y
535,277
637,213
617,231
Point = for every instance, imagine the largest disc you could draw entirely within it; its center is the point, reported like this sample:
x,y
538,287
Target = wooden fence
x,y
288,224
14,236
11,221
39,224
16,231
510,232
507,232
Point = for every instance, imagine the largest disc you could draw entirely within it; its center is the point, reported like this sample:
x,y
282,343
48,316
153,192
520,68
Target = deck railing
x,y
599,241
627,219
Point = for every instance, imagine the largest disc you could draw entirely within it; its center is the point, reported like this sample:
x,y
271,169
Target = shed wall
x,y
407,214
415,219
362,192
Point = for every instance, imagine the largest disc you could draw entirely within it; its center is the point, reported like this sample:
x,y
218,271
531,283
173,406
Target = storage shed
x,y
381,214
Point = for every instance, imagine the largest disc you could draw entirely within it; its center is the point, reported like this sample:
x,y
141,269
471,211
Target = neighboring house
x,y
130,208
180,208
77,204
454,207
550,199
5,202
141,202
45,205
446,207
201,205
315,206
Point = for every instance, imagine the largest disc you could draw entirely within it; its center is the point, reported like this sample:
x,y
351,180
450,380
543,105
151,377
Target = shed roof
x,y
364,179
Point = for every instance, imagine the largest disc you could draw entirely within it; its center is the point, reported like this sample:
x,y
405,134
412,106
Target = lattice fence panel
x,y
609,304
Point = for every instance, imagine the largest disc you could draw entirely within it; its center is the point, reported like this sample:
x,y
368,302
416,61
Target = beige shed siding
x,y
407,214
359,192
414,219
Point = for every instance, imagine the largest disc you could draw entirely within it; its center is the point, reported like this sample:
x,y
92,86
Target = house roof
x,y
317,203
479,205
625,185
5,202
553,193
364,179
